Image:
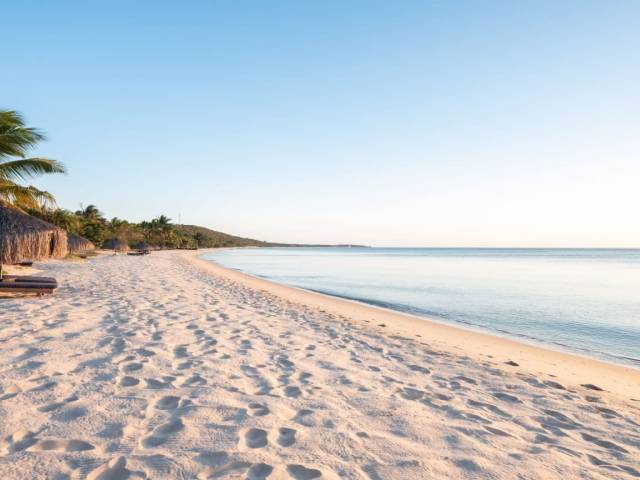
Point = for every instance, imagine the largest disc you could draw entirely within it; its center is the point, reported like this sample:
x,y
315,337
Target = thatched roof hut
x,y
116,244
143,246
23,237
77,244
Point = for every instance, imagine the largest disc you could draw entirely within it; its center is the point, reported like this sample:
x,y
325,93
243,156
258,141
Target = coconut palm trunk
x,y
2,230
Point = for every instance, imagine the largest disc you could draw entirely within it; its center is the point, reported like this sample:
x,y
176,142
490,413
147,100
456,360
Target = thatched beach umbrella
x,y
116,244
78,244
23,237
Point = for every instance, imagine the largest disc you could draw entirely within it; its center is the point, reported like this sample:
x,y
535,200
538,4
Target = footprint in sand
x,y
292,391
249,471
113,470
418,368
411,393
603,443
286,437
28,353
128,381
180,352
235,468
505,397
131,367
184,365
212,459
553,384
259,471
249,371
10,392
161,433
20,440
143,352
497,431
70,414
258,409
304,417
194,380
43,386
607,412
118,345
50,407
62,446
111,430
155,384
167,403
300,472
284,362
255,438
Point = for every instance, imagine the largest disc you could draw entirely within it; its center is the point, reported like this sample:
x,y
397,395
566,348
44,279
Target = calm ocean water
x,y
581,300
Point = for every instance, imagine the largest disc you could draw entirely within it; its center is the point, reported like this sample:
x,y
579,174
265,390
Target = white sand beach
x,y
170,367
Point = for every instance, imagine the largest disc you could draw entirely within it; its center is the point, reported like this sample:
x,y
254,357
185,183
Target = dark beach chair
x,y
139,252
26,264
27,279
22,284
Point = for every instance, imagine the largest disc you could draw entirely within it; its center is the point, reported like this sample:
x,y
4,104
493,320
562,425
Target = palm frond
x,y
15,138
26,197
15,141
29,168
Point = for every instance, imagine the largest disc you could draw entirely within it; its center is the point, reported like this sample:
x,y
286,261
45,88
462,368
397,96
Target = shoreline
x,y
572,369
609,359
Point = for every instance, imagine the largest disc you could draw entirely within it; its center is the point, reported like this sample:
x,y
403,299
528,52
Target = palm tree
x,y
163,221
116,224
93,224
90,212
64,219
157,231
15,142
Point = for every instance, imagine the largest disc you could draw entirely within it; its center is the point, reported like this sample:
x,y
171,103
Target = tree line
x,y
91,224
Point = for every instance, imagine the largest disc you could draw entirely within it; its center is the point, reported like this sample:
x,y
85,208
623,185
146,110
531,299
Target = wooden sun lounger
x,y
29,279
139,252
17,284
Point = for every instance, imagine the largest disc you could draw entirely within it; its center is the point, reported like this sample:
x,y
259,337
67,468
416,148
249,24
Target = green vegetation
x,y
207,238
16,140
91,224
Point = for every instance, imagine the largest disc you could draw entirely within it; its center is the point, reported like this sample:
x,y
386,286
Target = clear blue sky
x,y
385,123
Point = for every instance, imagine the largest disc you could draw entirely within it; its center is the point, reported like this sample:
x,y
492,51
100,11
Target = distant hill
x,y
207,238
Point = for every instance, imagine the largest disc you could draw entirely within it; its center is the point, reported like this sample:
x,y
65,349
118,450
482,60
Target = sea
x,y
585,301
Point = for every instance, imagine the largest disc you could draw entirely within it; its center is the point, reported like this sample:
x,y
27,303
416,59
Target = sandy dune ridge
x,y
157,367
